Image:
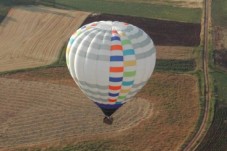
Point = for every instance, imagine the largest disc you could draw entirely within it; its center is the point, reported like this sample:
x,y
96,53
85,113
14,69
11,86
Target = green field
x,y
175,65
166,12
219,12
157,11
220,79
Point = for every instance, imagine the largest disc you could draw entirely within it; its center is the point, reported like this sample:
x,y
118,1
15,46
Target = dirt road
x,y
202,130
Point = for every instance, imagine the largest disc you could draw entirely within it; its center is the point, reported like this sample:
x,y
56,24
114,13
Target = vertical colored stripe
x,y
112,100
115,87
116,47
129,74
125,42
127,83
128,52
116,69
116,58
129,63
115,38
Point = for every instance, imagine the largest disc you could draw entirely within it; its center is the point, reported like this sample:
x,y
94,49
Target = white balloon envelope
x,y
110,62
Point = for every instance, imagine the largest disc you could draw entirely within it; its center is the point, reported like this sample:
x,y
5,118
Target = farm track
x,y
193,144
39,112
34,36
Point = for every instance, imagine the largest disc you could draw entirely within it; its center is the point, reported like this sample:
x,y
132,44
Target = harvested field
x,y
37,112
165,33
33,36
44,108
175,52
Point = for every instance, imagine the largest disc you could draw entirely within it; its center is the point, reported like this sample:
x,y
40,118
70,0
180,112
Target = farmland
x,y
54,114
220,32
165,33
50,112
175,52
167,12
215,138
219,12
170,34
181,3
25,42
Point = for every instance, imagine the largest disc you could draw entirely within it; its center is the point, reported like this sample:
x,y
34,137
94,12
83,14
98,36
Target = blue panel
x,y
115,79
116,58
115,38
129,52
113,94
109,106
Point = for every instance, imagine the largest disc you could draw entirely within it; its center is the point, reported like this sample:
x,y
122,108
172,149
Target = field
x,y
181,3
47,110
176,58
158,11
43,108
170,36
38,42
220,46
165,33
219,15
175,52
216,136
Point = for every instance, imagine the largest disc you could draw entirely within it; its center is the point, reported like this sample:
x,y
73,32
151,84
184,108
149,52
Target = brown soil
x,y
161,118
167,33
175,52
34,36
220,38
220,57
220,46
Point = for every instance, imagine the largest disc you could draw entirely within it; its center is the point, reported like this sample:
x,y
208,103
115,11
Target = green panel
x,y
129,74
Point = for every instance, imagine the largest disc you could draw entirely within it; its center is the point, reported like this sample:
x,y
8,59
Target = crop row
x,y
176,65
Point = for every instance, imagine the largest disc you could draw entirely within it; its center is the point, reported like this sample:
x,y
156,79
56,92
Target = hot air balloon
x,y
110,61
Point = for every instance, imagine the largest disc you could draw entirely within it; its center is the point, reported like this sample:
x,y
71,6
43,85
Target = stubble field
x,y
45,107
34,36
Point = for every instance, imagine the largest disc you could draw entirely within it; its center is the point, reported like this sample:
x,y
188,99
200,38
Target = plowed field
x,y
33,36
162,32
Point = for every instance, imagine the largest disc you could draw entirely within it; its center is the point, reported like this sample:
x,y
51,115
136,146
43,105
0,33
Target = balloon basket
x,y
108,120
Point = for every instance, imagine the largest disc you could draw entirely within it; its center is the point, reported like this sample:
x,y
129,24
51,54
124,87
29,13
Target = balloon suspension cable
x,y
108,120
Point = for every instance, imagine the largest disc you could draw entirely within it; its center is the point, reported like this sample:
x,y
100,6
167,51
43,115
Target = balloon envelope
x,y
110,62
